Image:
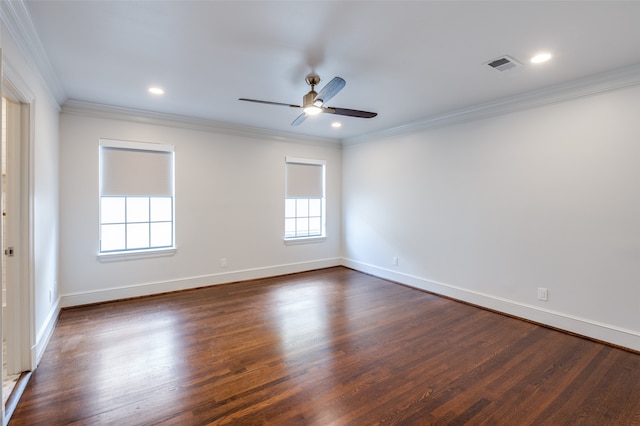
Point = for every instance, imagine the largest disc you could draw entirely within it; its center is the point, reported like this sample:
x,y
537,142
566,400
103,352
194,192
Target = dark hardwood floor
x,y
326,347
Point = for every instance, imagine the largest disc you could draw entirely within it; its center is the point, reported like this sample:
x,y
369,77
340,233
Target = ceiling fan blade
x,y
299,119
269,102
331,89
350,112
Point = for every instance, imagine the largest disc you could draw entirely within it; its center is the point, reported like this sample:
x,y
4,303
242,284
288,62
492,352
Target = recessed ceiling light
x,y
336,124
541,57
156,90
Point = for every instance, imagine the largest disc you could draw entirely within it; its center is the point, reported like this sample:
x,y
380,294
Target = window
x,y
136,196
304,199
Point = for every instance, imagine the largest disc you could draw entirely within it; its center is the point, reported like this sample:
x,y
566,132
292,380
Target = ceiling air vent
x,y
504,63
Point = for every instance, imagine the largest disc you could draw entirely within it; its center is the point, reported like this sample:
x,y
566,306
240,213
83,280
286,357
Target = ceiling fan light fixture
x,y
309,105
312,110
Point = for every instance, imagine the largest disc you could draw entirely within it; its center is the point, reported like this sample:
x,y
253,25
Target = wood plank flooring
x,y
329,347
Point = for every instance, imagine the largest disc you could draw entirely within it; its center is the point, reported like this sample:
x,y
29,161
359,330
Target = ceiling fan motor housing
x,y
309,98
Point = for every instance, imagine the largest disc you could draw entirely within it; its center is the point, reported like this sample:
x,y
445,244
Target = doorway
x,y
16,248
9,377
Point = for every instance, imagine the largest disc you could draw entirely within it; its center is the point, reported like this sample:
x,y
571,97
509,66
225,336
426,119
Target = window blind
x,y
304,178
135,168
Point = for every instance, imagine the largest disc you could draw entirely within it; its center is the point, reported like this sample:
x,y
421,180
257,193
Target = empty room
x,y
320,212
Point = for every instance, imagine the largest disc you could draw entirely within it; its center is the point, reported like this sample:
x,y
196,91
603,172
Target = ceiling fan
x,y
314,103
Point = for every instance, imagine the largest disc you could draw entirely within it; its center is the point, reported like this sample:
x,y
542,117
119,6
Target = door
x,y
10,218
15,231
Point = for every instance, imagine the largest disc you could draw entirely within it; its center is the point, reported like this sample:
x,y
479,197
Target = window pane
x,y
315,227
302,226
138,236
161,234
303,217
302,207
290,207
137,209
161,209
112,237
315,207
112,210
289,228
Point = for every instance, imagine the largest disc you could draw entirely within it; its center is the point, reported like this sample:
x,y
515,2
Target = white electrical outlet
x,y
223,262
395,260
543,294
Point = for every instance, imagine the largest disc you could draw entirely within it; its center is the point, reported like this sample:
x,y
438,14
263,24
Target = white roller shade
x,y
135,169
304,178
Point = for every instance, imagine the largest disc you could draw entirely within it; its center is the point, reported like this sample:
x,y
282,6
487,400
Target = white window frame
x,y
323,207
145,251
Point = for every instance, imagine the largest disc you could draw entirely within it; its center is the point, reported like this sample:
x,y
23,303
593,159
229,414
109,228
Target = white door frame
x,y
16,236
20,332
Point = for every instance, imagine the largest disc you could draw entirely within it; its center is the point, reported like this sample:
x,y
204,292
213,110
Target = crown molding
x,y
575,89
17,20
172,120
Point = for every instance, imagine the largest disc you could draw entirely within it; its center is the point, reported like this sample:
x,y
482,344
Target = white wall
x,y
489,210
44,187
229,203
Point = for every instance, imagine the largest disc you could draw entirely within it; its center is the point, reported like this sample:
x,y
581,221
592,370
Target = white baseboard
x,y
582,326
44,335
146,289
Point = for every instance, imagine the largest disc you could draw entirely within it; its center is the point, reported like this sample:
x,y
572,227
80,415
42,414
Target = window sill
x,y
304,240
133,255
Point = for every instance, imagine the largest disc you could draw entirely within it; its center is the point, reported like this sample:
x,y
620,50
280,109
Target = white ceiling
x,y
407,61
